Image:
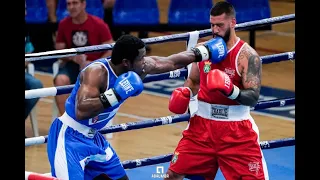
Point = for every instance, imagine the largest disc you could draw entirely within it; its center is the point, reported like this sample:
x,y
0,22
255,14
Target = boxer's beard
x,y
226,36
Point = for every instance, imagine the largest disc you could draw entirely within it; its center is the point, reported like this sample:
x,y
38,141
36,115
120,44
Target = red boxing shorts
x,y
211,141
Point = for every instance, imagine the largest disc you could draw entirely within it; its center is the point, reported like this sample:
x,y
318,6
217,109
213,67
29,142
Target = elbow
x,y
177,66
80,115
255,100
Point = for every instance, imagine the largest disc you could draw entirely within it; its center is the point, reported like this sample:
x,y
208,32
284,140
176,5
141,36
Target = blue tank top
x,y
99,121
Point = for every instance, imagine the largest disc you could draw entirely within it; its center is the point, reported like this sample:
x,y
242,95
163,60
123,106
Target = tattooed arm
x,y
250,68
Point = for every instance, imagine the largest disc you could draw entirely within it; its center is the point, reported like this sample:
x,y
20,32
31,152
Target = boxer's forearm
x,y
157,64
88,108
248,97
192,85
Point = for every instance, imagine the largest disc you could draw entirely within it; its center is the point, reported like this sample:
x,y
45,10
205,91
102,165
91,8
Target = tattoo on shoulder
x,y
246,52
252,76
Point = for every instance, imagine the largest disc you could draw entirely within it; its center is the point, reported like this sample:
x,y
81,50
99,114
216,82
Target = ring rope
x,y
58,90
163,121
131,164
160,39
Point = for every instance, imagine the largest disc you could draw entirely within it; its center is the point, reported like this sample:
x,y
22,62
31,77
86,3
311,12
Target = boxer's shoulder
x,y
95,72
247,51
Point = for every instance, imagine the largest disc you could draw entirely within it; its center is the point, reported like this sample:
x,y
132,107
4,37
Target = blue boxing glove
x,y
127,85
214,49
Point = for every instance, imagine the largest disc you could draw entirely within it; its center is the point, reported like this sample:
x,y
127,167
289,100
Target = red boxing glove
x,y
219,80
179,100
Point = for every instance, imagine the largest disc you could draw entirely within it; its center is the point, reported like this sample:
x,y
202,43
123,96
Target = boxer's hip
x,y
213,122
219,112
65,129
64,135
77,128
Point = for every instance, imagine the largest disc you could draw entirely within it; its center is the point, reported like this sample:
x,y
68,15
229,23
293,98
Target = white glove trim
x,y
235,93
191,94
204,52
112,98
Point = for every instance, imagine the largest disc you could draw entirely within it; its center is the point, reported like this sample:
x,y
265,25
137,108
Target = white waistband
x,y
223,112
69,121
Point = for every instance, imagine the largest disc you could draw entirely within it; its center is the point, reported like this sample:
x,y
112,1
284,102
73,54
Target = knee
x,y
173,176
61,80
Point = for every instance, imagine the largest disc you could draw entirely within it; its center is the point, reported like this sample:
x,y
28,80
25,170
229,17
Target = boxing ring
x,y
279,153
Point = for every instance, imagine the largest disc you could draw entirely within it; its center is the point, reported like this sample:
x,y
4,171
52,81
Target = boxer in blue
x,y
76,150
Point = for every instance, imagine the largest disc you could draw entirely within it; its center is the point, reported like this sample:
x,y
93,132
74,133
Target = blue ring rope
x,y
153,40
58,90
130,164
163,121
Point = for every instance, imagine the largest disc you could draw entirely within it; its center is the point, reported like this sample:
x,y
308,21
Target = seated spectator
x,y
30,81
78,29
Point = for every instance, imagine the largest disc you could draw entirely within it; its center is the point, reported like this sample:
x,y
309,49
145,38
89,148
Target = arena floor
x,y
278,80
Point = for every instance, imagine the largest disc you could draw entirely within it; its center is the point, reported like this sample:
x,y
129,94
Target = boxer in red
x,y
221,133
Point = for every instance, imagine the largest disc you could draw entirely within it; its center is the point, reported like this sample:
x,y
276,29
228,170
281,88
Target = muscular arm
x,y
193,80
88,103
157,64
250,69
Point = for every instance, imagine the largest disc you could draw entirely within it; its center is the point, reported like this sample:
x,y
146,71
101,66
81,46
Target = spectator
x,y
30,81
78,29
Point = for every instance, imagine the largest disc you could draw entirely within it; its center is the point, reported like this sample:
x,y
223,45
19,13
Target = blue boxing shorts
x,y
80,154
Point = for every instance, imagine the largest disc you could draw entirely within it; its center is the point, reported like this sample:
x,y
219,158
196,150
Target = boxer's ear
x,y
126,63
233,22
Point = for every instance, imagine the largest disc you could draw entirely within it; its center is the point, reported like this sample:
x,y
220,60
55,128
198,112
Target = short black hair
x,y
126,47
222,7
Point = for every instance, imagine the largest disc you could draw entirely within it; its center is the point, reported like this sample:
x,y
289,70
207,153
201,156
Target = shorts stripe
x,y
264,164
60,160
97,157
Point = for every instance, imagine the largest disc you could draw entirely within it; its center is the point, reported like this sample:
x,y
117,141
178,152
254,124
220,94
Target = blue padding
x,y
37,11
186,12
140,12
250,10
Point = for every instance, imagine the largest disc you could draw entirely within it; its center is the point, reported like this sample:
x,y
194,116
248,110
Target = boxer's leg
x,y
240,155
194,154
69,151
63,151
52,143
104,164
